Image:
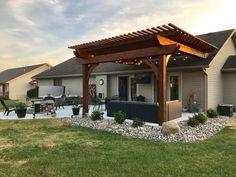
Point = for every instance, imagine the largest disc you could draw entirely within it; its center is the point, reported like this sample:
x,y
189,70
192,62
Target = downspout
x,y
205,89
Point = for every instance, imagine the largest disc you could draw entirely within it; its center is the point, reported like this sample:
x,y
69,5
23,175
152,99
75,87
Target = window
x,y
57,82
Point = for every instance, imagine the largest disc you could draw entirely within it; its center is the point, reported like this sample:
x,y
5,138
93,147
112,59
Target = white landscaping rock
x,y
187,133
170,127
103,124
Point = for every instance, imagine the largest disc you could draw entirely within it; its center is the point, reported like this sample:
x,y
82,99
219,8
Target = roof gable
x,y
13,73
217,38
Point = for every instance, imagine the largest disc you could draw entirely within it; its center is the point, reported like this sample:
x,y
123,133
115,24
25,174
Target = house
x,y
15,82
189,78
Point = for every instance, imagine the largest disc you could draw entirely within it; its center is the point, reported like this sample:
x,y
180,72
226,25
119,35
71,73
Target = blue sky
x,y
39,31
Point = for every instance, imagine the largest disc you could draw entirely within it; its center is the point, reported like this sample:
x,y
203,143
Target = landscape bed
x,y
148,132
48,147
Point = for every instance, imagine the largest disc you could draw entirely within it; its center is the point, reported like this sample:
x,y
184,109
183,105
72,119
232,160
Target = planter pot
x,y
21,113
75,111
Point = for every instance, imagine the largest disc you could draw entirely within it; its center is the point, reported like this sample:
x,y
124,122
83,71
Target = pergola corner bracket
x,y
183,48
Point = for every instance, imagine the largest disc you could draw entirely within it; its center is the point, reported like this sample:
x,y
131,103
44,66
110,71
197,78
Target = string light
x,y
130,62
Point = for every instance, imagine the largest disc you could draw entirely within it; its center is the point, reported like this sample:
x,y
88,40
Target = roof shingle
x,y
71,67
230,63
13,73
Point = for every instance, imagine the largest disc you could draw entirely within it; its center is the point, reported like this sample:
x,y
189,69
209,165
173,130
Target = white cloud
x,y
41,30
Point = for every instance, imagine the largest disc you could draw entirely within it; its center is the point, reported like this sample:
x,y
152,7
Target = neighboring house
x,y
15,82
188,77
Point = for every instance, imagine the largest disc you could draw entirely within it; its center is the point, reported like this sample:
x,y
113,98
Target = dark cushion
x,y
147,112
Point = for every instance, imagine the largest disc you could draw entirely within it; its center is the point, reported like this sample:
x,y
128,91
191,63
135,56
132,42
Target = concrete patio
x,y
67,112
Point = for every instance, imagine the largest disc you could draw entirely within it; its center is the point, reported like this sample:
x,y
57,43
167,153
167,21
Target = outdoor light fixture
x,y
101,82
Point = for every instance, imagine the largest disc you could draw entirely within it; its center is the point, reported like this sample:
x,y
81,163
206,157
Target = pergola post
x,y
87,70
85,88
162,89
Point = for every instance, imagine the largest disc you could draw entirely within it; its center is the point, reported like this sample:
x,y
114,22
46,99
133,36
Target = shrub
x,y
96,115
211,113
119,117
196,119
137,122
32,93
98,101
193,122
200,117
20,106
76,103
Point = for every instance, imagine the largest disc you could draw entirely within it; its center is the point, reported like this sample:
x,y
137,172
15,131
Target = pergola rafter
x,y
152,47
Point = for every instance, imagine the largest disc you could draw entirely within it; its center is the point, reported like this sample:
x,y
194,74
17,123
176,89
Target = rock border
x,y
147,132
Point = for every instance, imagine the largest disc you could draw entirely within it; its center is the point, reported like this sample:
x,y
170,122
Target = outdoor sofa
x,y
147,112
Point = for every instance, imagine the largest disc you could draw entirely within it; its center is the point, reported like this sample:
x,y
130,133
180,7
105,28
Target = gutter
x,y
124,72
228,69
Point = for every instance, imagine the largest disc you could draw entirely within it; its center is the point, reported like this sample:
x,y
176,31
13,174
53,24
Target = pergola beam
x,y
126,55
183,48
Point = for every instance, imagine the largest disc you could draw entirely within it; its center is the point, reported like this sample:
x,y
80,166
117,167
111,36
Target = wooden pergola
x,y
152,47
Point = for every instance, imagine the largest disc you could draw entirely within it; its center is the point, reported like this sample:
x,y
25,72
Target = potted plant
x,y
76,107
21,110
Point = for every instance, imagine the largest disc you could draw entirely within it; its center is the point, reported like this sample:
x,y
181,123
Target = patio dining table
x,y
44,106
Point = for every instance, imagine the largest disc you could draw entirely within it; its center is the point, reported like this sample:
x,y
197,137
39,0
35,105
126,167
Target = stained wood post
x,y
85,88
162,89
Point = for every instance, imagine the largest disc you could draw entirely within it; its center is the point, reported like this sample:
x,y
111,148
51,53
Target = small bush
x,y
76,103
32,93
20,106
193,122
96,115
211,113
200,117
137,122
196,119
119,117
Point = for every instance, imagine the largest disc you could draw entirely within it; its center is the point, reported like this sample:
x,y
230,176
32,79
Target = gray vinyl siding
x,y
147,90
229,89
193,82
215,78
45,82
74,85
101,89
112,83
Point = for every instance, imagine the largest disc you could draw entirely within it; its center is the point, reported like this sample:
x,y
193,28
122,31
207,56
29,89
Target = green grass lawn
x,y
10,103
39,148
